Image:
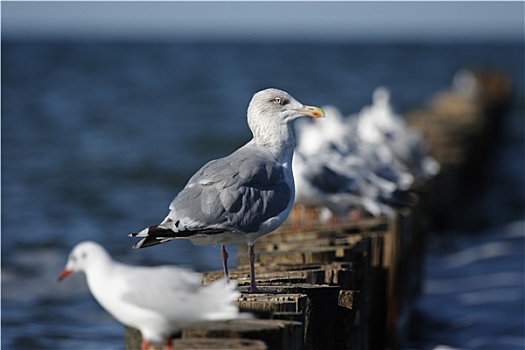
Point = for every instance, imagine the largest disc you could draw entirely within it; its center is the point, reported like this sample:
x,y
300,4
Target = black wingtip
x,y
140,244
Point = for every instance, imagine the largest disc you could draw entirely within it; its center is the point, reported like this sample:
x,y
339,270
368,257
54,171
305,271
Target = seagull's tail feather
x,y
221,296
398,198
149,242
154,235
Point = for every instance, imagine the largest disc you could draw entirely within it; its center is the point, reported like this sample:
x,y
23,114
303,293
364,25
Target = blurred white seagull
x,y
159,301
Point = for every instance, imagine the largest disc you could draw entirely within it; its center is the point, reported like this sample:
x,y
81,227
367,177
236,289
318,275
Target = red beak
x,y
64,274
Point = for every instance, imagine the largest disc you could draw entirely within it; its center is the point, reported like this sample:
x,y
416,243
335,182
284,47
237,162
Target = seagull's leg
x,y
299,213
337,220
224,257
355,215
169,345
251,258
294,217
145,344
310,218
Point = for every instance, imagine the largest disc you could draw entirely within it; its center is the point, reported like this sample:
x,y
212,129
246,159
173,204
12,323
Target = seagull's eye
x,y
279,101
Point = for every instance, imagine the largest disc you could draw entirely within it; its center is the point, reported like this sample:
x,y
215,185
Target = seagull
x,y
245,195
394,142
157,300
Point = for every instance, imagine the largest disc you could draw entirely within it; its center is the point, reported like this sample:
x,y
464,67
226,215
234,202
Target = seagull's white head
x,y
271,109
83,255
280,106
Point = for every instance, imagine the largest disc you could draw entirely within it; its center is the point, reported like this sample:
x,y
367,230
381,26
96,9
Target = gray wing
x,y
330,181
234,193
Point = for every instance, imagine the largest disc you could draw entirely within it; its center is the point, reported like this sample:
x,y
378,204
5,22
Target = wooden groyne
x,y
352,286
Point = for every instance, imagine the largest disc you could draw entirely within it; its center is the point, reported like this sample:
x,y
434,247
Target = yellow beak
x,y
312,111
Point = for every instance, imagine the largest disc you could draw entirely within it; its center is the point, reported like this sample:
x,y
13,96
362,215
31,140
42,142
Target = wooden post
x,y
219,344
276,334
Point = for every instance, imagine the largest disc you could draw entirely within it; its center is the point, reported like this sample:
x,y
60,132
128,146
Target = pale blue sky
x,y
271,20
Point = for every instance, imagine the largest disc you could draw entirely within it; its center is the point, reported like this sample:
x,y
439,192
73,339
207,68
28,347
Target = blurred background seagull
x,y
378,125
366,160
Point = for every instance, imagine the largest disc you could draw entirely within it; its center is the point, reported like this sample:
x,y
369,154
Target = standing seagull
x,y
159,301
241,197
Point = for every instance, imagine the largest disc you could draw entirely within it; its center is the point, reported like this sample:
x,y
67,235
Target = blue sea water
x,y
98,137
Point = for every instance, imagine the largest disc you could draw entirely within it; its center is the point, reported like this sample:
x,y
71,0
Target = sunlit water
x,y
97,138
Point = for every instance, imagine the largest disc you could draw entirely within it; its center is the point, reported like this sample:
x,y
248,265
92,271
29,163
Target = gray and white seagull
x,y
243,196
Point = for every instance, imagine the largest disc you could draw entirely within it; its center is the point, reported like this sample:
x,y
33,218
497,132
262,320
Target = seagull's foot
x,y
255,290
